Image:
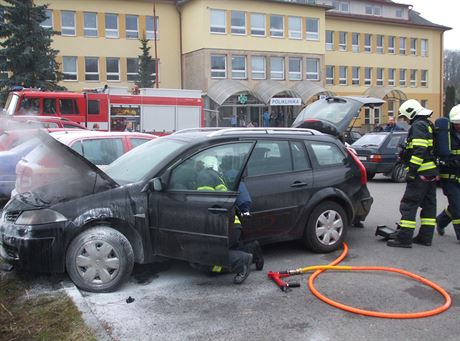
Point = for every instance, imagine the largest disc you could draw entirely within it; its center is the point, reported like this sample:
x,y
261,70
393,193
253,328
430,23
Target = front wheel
x,y
326,228
100,259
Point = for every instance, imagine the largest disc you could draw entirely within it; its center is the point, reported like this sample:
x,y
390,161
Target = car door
x,y
279,180
193,215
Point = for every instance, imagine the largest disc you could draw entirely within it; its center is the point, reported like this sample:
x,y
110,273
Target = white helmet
x,y
412,108
454,114
210,162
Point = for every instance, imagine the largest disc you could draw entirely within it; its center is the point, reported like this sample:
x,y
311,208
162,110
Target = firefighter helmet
x,y
454,114
412,108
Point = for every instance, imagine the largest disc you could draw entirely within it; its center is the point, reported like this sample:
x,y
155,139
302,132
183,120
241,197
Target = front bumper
x,y
37,248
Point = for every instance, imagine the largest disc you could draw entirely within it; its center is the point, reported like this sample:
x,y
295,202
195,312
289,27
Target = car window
x,y
209,169
299,158
327,154
68,107
270,157
370,140
29,106
136,142
49,106
78,147
50,125
102,151
394,142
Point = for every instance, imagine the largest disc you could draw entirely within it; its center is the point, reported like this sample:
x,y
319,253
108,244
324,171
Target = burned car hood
x,y
72,175
333,115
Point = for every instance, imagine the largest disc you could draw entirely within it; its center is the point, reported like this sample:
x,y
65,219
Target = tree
x,y
452,70
26,47
450,99
146,66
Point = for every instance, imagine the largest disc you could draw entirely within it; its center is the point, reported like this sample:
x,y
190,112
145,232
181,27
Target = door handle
x,y
217,210
299,184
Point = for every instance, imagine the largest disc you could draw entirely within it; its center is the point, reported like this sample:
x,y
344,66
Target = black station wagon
x,y
146,205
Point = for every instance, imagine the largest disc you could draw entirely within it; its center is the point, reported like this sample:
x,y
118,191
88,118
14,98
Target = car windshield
x,y
370,140
333,110
133,166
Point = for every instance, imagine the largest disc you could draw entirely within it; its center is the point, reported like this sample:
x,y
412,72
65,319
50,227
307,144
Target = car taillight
x,y
360,165
375,158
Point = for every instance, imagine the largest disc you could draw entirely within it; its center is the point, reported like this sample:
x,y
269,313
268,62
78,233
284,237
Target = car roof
x,y
72,134
41,118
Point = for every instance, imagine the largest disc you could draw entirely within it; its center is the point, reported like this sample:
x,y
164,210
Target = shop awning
x,y
265,90
220,91
385,92
307,89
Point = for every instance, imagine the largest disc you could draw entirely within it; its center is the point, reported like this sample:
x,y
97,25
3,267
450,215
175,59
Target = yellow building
x,y
252,56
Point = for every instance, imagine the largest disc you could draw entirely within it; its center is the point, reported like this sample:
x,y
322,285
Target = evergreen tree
x,y
450,100
26,47
146,66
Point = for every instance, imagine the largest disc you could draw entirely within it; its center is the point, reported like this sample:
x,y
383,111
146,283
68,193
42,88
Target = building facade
x,y
251,57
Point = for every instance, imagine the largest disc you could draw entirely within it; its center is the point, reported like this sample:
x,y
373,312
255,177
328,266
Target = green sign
x,y
242,99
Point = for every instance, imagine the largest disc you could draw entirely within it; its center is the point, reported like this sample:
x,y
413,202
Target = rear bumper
x,y
378,167
363,204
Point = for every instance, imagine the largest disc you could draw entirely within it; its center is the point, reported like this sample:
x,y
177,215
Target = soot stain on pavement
x,y
146,273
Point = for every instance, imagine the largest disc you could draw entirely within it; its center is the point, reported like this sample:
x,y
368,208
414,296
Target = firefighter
x,y
422,174
450,177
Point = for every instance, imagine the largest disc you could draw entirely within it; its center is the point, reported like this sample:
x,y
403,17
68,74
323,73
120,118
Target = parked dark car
x,y
379,152
351,136
146,206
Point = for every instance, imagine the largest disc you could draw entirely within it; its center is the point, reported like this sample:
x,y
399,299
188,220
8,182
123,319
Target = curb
x,y
90,319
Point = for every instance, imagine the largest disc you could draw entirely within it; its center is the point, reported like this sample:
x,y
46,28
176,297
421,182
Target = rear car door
x,y
193,216
279,180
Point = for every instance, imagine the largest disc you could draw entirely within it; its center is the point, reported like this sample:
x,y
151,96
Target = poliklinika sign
x,y
285,101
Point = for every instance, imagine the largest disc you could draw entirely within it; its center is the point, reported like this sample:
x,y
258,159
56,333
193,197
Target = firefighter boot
x,y
403,238
425,235
457,231
241,276
442,220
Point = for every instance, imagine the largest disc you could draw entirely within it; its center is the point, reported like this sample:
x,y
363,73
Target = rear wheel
x,y
399,173
99,259
326,228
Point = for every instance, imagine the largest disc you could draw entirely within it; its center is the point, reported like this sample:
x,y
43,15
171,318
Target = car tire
x,y
326,227
370,175
99,259
399,173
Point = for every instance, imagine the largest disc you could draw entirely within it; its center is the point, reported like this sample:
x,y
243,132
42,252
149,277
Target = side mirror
x,y
153,185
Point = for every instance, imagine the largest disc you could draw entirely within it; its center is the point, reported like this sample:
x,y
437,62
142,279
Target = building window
x,y
218,66
355,42
402,45
295,69
67,23
218,21
377,115
132,27
413,46
399,13
258,24
355,75
424,48
69,68
313,69
379,44
424,103
330,74
91,68
368,42
379,76
367,76
391,108
373,10
342,41
47,23
343,75
295,28
424,78
329,40
258,67
391,77
90,24
413,78
239,67
277,68
113,69
150,28
238,22
276,26
312,29
402,77
342,6
132,69
111,25
391,44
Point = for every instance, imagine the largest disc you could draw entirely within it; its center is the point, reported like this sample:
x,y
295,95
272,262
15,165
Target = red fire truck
x,y
113,109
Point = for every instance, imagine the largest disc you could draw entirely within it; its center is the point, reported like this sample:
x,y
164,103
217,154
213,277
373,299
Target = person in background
x,y
129,126
392,125
95,126
266,118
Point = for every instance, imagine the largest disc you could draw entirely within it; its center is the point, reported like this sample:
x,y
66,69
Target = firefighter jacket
x,y
419,157
450,167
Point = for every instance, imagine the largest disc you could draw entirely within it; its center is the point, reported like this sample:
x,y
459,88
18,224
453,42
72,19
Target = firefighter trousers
x,y
452,213
422,194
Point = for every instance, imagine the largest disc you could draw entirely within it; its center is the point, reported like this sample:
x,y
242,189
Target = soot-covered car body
x,y
149,206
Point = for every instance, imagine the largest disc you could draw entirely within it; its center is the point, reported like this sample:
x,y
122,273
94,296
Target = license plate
x,y
362,158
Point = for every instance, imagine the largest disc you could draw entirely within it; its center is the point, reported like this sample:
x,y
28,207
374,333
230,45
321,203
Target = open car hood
x,y
72,175
333,115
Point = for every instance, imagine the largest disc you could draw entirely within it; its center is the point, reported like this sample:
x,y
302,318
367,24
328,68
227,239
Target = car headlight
x,y
37,217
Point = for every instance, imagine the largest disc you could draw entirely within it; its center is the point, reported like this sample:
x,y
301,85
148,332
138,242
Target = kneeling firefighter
x,y
241,255
449,156
419,160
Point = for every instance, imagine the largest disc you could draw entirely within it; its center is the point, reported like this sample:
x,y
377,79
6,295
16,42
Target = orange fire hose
x,y
333,266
